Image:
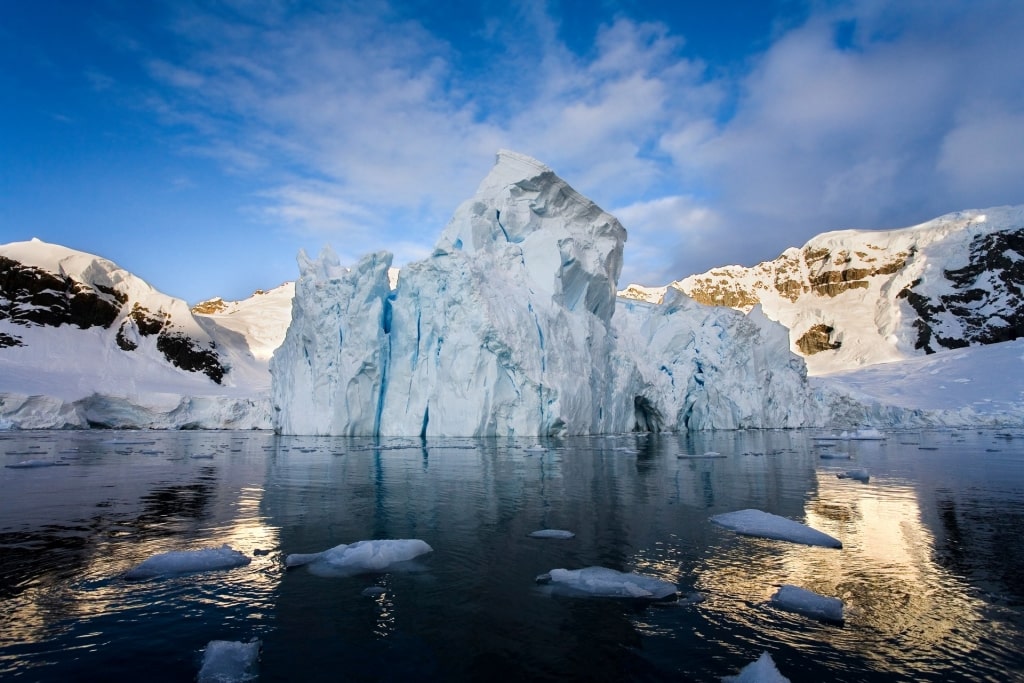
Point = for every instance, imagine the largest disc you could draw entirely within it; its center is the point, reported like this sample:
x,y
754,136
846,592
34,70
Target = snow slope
x,y
853,298
84,342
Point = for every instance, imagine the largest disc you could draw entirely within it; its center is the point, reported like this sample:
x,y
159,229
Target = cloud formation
x,y
366,126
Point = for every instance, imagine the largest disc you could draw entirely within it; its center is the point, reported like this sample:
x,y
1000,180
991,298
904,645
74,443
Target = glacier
x,y
512,328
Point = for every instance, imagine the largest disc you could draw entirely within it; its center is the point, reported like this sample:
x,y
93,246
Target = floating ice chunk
x,y
761,671
767,525
228,661
28,464
374,591
859,475
608,583
552,533
536,449
360,557
709,455
187,561
808,603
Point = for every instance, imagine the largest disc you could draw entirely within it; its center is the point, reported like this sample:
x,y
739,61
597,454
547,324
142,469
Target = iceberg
x,y
607,583
188,561
512,328
227,661
808,603
761,671
552,533
766,525
360,557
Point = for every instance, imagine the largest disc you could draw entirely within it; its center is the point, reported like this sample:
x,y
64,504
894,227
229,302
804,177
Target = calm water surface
x,y
932,569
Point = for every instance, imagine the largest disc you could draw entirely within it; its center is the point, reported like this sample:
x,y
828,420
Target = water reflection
x,y
928,569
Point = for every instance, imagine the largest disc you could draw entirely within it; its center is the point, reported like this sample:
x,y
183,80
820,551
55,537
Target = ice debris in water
x,y
859,475
761,671
187,561
608,583
808,603
360,557
228,661
766,525
552,533
28,464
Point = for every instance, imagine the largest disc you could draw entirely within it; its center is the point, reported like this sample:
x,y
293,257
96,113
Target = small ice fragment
x,y
552,533
761,671
374,591
607,583
766,525
709,454
536,449
188,561
360,557
28,464
859,475
228,661
808,603
831,455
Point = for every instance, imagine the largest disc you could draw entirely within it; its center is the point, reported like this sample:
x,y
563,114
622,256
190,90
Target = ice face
x,y
607,583
808,603
187,561
226,661
360,557
767,525
761,671
511,328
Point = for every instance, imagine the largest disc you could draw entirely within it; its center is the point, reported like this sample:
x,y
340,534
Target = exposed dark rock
x,y
185,353
32,296
7,340
723,293
211,306
818,338
987,302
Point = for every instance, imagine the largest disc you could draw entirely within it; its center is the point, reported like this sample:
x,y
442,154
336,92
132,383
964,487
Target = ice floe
x,y
360,557
766,525
229,661
859,475
188,561
761,671
552,533
30,464
607,583
808,603
700,456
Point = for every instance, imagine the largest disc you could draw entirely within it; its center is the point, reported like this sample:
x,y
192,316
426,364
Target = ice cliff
x,y
511,327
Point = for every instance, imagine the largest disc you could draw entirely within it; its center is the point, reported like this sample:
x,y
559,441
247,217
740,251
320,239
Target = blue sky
x,y
201,144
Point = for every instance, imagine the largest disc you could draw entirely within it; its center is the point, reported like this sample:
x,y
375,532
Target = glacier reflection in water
x,y
929,570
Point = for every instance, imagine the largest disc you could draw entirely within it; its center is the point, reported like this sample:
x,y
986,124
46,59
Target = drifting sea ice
x,y
228,661
552,533
761,671
808,603
29,464
859,475
360,557
606,583
188,561
766,525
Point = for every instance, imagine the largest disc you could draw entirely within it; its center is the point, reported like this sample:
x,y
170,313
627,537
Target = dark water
x,y
932,572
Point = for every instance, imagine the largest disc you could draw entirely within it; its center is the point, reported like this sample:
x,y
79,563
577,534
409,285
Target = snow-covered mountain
x,y
853,298
84,342
511,328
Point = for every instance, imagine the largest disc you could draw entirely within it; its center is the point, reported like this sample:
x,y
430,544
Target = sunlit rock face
x,y
508,329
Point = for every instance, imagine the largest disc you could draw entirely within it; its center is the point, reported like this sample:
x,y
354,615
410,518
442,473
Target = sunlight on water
x,y
928,572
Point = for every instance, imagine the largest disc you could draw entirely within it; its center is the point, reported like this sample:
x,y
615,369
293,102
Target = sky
x,y
201,144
